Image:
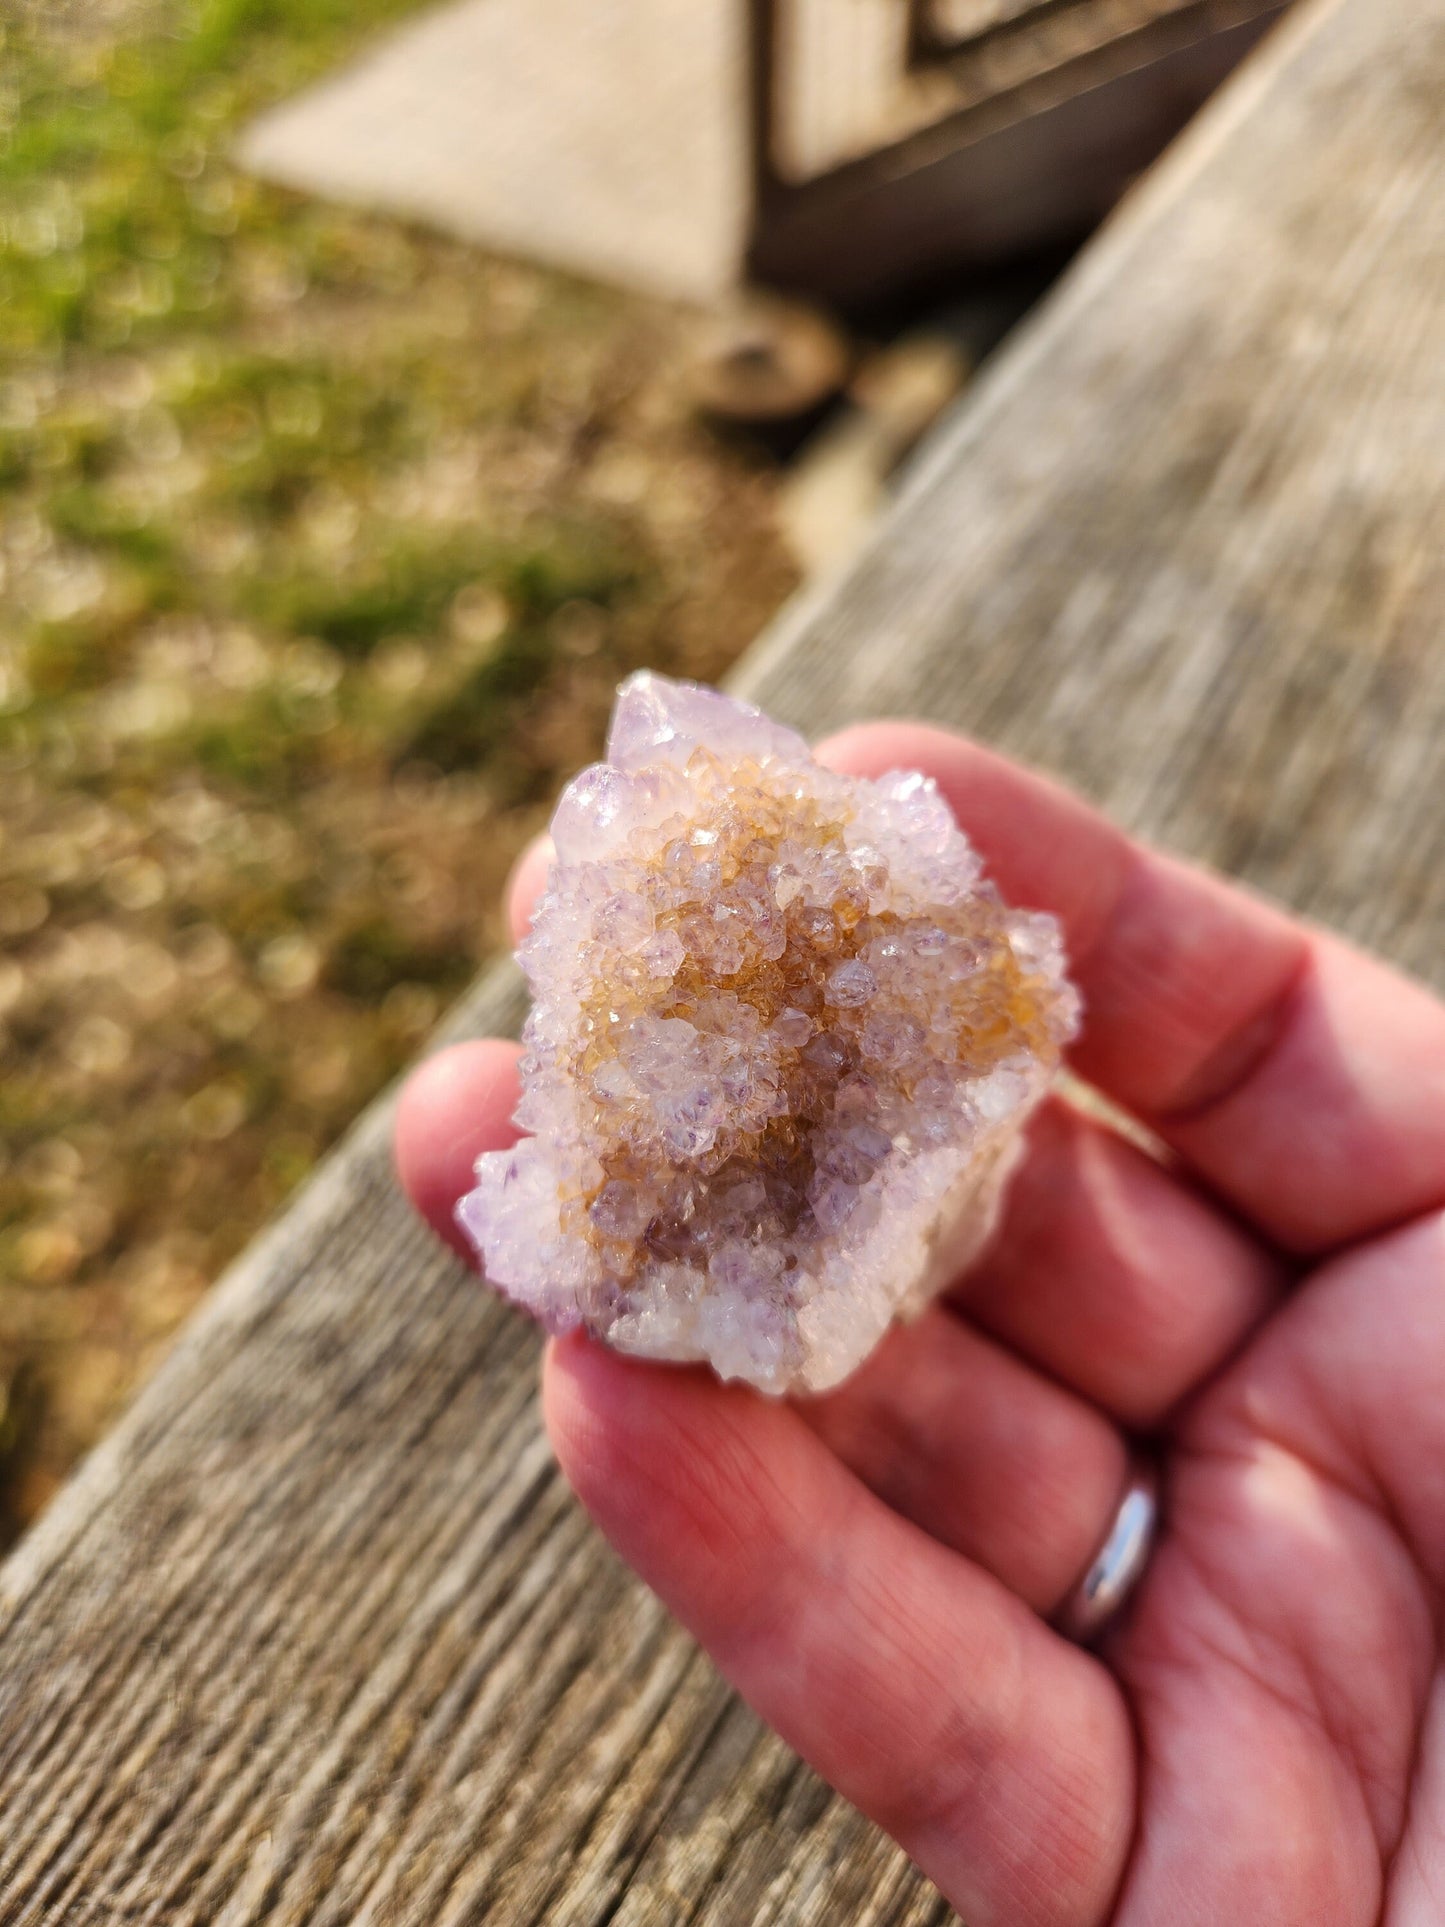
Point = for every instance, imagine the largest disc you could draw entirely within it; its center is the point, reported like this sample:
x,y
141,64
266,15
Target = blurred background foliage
x,y
323,543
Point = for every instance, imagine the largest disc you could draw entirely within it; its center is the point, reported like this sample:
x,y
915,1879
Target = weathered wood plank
x,y
1187,544
316,1637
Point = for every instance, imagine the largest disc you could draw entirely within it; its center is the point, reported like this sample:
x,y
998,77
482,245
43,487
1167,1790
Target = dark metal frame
x,y
805,230
927,46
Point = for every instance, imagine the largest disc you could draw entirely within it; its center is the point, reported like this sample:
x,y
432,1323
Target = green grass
x,y
323,543
120,208
129,239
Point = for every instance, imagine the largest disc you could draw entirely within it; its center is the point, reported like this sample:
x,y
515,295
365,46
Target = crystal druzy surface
x,y
783,1038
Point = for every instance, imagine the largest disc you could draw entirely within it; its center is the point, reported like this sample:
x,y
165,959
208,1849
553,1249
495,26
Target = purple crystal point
x,y
656,720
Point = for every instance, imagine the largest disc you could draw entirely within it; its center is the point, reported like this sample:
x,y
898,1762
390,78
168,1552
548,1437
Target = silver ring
x,y
1118,1565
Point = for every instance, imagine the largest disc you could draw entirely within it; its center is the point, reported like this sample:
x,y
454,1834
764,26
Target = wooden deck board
x,y
316,1636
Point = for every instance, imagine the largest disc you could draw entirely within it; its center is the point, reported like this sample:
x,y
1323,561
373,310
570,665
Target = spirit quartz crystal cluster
x,y
783,1040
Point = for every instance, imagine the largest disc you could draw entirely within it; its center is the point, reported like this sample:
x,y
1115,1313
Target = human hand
x,y
1262,1738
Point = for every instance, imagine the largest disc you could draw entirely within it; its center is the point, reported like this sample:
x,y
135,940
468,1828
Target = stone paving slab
x,y
609,139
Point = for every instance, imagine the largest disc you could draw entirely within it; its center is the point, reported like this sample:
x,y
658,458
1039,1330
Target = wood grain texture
x,y
1185,541
316,1636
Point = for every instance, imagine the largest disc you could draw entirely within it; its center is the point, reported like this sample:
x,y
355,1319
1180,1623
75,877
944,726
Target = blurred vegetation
x,y
323,543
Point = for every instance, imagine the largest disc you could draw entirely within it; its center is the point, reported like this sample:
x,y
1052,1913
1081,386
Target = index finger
x,y
1302,1080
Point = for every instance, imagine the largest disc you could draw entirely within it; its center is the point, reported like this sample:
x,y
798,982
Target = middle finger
x,y
1113,1275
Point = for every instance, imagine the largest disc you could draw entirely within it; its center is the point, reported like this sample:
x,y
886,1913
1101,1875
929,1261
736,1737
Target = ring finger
x,y
982,1452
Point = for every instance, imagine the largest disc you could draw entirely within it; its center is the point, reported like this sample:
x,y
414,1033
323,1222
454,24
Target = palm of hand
x,y
1263,1738
1281,1662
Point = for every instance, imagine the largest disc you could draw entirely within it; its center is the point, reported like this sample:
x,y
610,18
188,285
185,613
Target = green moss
x,y
367,960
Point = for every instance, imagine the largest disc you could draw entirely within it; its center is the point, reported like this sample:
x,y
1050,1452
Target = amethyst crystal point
x,y
783,1040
